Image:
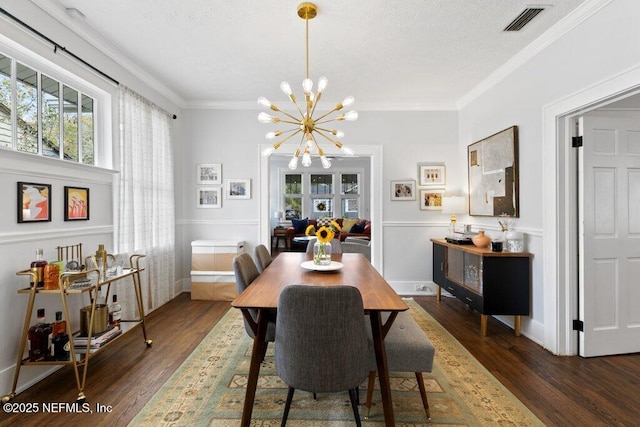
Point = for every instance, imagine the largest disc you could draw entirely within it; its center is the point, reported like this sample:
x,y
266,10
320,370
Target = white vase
x,y
322,253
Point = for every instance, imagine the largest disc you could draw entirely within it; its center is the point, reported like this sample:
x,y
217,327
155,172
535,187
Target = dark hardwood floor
x,y
561,391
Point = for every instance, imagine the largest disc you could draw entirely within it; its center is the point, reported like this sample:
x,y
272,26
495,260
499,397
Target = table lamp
x,y
279,215
453,205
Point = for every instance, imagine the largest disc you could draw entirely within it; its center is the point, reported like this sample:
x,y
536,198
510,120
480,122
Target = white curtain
x,y
146,220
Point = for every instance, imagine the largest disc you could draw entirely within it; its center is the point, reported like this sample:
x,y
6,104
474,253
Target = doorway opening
x,y
560,235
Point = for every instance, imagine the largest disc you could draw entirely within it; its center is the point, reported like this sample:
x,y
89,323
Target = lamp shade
x,y
454,205
278,214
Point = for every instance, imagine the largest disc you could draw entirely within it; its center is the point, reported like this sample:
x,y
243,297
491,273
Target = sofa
x,y
362,228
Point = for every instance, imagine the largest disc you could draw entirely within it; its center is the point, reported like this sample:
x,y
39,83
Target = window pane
x,y
293,184
50,117
322,208
87,131
70,123
27,109
6,104
293,208
349,183
321,184
350,208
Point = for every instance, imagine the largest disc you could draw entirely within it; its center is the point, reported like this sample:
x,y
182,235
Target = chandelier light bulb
x,y
338,134
293,163
347,101
326,163
264,102
264,118
322,84
306,159
286,88
307,85
267,151
351,116
346,150
270,135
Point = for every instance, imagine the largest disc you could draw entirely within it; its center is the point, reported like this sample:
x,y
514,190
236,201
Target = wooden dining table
x,y
262,295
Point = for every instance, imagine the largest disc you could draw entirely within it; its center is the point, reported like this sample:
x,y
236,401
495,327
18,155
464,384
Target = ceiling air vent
x,y
523,19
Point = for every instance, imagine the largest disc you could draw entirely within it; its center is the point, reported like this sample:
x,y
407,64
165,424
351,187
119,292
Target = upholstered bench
x,y
408,350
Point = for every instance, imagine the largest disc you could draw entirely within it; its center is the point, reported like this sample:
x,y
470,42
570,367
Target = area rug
x,y
208,389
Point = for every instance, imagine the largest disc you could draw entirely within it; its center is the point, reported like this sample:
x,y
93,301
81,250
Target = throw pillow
x,y
324,222
347,223
358,228
300,225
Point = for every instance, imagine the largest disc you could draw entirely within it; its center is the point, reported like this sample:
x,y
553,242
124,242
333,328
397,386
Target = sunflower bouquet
x,y
322,248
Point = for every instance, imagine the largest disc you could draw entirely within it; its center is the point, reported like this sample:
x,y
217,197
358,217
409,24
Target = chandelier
x,y
310,127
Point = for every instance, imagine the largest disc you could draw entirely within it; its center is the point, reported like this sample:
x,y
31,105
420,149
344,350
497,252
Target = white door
x,y
609,229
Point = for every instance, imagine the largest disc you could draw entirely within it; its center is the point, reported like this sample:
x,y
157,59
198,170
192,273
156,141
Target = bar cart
x,y
66,287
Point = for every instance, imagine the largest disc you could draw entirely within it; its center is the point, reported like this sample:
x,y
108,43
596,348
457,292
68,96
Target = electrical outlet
x,y
422,287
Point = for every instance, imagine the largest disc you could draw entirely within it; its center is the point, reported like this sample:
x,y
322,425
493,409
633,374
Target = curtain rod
x,y
57,46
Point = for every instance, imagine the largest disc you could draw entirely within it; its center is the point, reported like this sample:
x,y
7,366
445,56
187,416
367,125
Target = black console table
x,y
492,283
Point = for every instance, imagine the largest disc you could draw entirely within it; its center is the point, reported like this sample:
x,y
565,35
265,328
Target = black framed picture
x,y
76,204
34,202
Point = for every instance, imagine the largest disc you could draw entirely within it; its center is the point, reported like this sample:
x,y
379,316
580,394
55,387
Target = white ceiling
x,y
388,54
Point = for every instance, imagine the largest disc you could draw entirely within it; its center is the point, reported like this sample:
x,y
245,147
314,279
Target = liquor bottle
x,y
58,324
37,267
101,260
115,312
60,343
40,339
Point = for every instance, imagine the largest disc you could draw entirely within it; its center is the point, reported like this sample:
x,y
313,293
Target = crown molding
x,y
565,25
252,105
59,13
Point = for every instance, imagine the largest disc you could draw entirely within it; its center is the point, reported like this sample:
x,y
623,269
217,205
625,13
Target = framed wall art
x,y
431,175
209,174
431,200
209,197
403,190
493,175
34,202
237,189
76,204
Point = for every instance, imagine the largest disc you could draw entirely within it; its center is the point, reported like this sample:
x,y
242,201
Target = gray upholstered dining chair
x,y
408,349
263,257
246,272
358,247
321,341
336,246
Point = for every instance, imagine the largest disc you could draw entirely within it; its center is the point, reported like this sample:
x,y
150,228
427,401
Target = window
x,y
46,116
321,198
292,196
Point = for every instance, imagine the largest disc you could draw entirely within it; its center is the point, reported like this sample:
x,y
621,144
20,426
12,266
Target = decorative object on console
x,y
306,122
209,174
237,188
76,203
34,202
209,197
480,240
403,190
453,205
431,200
514,241
432,175
493,175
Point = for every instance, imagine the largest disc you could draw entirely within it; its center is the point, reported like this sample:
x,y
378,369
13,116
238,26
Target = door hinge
x,y
576,141
578,325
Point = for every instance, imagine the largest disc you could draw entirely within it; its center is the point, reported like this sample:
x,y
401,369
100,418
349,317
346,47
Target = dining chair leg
x,y
423,394
354,405
287,406
370,385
